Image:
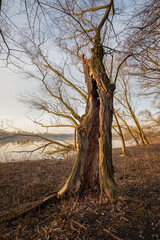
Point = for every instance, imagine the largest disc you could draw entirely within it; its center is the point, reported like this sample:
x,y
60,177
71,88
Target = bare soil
x,y
83,217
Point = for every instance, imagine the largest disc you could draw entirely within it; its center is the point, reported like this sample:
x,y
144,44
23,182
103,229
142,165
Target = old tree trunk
x,y
93,166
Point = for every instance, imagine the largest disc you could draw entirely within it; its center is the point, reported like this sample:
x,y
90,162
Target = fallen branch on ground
x,y
111,234
10,214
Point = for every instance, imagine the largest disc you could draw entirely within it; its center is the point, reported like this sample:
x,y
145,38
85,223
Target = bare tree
x,y
80,29
124,99
152,122
124,125
145,44
119,132
84,32
58,108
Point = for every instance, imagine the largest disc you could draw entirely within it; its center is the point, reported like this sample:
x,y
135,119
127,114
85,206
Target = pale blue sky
x,y
11,109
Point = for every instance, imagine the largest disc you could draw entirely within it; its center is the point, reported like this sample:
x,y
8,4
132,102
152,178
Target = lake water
x,y
12,152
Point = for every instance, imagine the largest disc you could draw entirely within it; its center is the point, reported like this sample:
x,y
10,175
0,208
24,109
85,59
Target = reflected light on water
x,y
15,151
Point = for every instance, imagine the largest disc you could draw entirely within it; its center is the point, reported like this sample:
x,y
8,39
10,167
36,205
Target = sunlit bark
x,y
84,174
96,123
128,128
124,99
120,133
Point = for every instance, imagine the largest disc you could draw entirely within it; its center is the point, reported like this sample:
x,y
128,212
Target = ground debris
x,y
83,218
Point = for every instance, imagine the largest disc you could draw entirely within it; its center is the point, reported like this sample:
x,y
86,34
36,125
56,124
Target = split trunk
x,y
93,167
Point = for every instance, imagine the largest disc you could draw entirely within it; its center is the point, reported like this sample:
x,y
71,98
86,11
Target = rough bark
x,y
128,128
85,170
96,123
120,133
141,134
105,92
106,169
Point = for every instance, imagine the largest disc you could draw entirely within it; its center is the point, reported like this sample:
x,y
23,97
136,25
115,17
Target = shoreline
x,y
41,158
137,174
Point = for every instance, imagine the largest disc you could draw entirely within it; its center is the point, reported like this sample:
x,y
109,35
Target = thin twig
x,y
107,231
80,225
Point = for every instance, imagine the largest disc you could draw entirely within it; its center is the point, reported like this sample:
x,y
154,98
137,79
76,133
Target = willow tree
x,y
84,25
94,156
83,28
144,40
124,99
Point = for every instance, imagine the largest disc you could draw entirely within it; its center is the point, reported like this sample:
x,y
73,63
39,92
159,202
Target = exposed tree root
x,y
131,199
10,214
121,197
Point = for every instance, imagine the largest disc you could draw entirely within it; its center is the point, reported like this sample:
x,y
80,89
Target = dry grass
x,y
28,181
138,175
